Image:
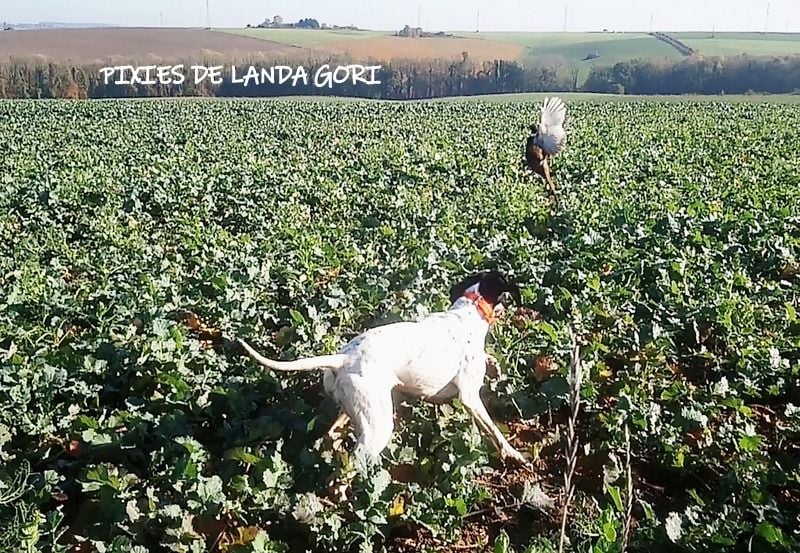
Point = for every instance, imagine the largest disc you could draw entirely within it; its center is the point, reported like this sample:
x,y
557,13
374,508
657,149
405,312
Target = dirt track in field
x,y
138,45
393,47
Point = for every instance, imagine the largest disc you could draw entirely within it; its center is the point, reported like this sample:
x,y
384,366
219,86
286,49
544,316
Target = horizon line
x,y
98,25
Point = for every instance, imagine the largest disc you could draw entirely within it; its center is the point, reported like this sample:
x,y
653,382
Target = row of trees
x,y
404,79
731,75
277,23
305,23
412,79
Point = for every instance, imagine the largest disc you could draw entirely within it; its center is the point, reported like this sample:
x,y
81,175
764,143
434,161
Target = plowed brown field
x,y
394,47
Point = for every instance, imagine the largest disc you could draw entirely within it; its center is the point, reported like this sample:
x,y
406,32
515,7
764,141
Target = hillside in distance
x,y
584,49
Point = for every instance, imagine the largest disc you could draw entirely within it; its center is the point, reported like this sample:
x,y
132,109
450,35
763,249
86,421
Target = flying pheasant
x,y
547,139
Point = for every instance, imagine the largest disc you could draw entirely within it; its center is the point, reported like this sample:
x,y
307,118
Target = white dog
x,y
438,358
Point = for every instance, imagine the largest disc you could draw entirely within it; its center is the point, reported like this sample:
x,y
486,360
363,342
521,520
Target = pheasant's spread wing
x,y
551,136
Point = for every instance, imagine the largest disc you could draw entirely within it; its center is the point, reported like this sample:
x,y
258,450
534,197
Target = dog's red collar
x,y
485,308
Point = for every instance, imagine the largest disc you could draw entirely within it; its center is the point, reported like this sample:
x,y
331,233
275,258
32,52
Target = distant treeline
x,y
731,75
403,79
414,79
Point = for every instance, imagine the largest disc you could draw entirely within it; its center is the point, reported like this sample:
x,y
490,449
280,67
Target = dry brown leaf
x,y
543,367
790,271
193,321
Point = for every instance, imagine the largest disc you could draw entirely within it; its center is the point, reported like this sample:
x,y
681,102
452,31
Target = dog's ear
x,y
493,286
459,289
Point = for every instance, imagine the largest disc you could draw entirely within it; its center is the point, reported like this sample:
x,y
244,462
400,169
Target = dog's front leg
x,y
473,403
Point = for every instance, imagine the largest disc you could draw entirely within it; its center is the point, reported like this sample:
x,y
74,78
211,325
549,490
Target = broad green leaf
x,y
616,496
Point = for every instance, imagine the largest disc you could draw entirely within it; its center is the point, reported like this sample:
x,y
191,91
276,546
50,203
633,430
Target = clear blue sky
x,y
447,15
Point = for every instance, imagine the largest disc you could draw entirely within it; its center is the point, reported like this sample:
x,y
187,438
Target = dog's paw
x,y
515,458
492,367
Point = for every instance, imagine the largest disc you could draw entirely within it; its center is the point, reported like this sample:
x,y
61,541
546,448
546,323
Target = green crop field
x,y
610,47
303,37
538,40
615,98
575,48
138,236
728,44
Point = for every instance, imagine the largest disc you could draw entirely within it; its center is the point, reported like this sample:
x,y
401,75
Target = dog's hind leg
x,y
377,434
373,417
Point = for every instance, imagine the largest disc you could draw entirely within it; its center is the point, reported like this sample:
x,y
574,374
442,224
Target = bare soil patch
x,y
392,47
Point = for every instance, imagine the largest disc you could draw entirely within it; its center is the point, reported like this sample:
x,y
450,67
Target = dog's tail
x,y
336,361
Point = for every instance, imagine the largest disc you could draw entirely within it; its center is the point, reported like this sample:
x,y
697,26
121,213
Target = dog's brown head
x,y
491,285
